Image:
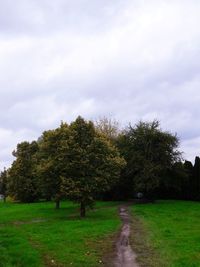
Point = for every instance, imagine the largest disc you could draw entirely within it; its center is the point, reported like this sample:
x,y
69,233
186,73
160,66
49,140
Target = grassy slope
x,y
37,235
170,233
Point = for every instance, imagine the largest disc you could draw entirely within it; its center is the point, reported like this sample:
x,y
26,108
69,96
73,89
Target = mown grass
x,y
36,235
167,234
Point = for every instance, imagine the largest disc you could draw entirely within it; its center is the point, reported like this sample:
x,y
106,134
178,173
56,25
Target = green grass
x,y
167,233
36,235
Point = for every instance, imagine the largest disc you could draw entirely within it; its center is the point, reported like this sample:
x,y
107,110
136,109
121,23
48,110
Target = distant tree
x,y
189,186
22,180
149,153
189,167
179,181
174,183
3,183
196,182
108,127
53,151
94,164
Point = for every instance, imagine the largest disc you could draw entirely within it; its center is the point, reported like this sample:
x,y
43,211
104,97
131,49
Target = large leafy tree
x,y
149,153
93,164
3,184
22,178
52,156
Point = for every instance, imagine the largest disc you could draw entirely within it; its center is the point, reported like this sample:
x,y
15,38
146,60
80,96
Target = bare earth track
x,y
125,256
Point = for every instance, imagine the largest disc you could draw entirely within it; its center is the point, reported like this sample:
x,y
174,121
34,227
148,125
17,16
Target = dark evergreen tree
x,y
179,181
189,185
196,181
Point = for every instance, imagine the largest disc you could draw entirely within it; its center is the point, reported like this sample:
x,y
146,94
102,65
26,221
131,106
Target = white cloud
x,y
128,59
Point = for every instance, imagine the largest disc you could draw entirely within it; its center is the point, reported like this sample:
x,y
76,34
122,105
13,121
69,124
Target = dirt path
x,y
125,256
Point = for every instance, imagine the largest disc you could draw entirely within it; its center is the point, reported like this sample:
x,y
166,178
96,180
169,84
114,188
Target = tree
x,y
174,184
189,186
22,180
149,153
3,184
93,164
196,182
52,155
108,127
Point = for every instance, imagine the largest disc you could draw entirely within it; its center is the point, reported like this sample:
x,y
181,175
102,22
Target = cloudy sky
x,y
126,59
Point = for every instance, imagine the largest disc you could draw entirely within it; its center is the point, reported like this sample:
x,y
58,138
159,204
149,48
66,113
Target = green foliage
x,y
196,177
3,183
52,161
149,153
93,164
189,185
76,162
81,161
22,179
175,184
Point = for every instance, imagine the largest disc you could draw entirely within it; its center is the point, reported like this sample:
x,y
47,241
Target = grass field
x,y
36,235
167,233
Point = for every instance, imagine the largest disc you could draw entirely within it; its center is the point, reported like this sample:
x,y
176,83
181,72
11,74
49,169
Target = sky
x,y
128,60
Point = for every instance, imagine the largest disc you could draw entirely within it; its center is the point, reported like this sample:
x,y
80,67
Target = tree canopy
x,y
22,178
84,161
94,164
149,153
52,162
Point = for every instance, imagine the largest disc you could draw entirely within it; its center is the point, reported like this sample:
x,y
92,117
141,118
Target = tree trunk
x,y
4,199
82,210
57,204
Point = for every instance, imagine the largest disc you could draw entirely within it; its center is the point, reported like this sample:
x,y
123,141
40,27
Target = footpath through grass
x,y
167,233
37,235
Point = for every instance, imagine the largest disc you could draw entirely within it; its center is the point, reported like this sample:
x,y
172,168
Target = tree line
x,y
86,160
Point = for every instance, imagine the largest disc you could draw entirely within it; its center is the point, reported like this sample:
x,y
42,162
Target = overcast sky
x,y
126,59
